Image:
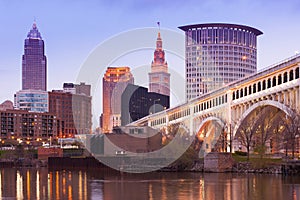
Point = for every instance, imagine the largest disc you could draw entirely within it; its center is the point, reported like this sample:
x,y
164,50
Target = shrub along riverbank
x,y
189,161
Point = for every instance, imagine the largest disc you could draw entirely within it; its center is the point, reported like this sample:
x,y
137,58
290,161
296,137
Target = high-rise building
x,y
137,103
31,100
34,62
73,111
217,54
115,81
159,78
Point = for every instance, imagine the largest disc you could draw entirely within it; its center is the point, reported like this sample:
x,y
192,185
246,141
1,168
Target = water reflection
x,y
30,183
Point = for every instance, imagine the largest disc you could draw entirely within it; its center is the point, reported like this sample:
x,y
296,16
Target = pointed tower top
x,y
34,32
34,24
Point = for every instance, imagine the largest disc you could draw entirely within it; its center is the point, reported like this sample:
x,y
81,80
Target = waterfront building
x,y
21,126
217,54
73,110
31,100
115,81
34,62
137,103
124,140
159,78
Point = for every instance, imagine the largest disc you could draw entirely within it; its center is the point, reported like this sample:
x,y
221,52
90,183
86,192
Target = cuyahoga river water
x,y
31,183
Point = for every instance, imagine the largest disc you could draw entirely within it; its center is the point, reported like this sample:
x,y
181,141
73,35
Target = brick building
x,y
73,111
19,126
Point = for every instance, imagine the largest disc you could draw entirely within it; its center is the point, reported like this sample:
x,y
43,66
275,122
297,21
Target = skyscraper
x,y
115,81
159,78
217,54
34,62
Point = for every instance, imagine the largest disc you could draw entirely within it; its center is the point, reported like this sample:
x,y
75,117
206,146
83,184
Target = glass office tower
x,y
34,62
217,54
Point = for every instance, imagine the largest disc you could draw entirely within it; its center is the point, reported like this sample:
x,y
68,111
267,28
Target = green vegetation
x,y
256,161
19,152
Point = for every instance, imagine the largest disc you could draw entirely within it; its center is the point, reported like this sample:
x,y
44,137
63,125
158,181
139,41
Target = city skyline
x,y
70,36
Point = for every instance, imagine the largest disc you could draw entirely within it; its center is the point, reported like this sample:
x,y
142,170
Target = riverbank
x,y
254,165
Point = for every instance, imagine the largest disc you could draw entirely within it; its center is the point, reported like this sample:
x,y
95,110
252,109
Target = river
x,y
31,183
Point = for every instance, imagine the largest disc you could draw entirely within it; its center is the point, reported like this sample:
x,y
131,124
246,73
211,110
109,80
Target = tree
x,y
228,133
276,140
268,117
247,131
291,123
169,132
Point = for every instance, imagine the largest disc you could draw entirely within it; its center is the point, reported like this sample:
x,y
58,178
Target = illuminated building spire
x,y
159,78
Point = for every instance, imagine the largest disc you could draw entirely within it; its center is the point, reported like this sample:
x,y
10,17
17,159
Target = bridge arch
x,y
207,134
208,119
264,103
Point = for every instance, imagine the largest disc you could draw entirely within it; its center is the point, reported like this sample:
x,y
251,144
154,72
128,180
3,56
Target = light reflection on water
x,y
31,183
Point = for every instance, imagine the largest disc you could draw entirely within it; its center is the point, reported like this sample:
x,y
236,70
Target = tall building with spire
x,y
159,78
34,62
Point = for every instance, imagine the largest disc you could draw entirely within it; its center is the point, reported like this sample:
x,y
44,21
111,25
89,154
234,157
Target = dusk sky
x,y
72,29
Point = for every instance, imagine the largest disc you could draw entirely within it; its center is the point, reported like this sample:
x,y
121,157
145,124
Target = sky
x,y
73,29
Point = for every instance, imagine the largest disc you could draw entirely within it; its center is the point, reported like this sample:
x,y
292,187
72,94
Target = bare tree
x,y
277,138
291,123
267,119
246,132
170,132
226,138
221,143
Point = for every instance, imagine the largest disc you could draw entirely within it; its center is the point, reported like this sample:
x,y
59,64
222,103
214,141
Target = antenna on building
x,y
34,22
158,24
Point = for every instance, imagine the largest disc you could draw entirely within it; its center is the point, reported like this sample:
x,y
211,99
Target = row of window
x,y
220,36
211,103
217,54
179,114
158,121
197,108
214,48
266,84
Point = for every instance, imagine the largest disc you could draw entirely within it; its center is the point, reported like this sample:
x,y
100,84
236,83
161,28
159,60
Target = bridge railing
x,y
280,63
222,90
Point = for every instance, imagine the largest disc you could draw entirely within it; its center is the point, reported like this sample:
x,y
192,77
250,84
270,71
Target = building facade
x,y
6,105
73,111
20,126
217,54
115,81
31,100
159,78
81,88
137,103
127,140
34,62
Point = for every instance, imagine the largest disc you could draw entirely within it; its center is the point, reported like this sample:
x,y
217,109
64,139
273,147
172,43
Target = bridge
x,y
276,87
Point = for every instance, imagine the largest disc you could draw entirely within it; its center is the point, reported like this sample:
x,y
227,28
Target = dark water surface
x,y
30,183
